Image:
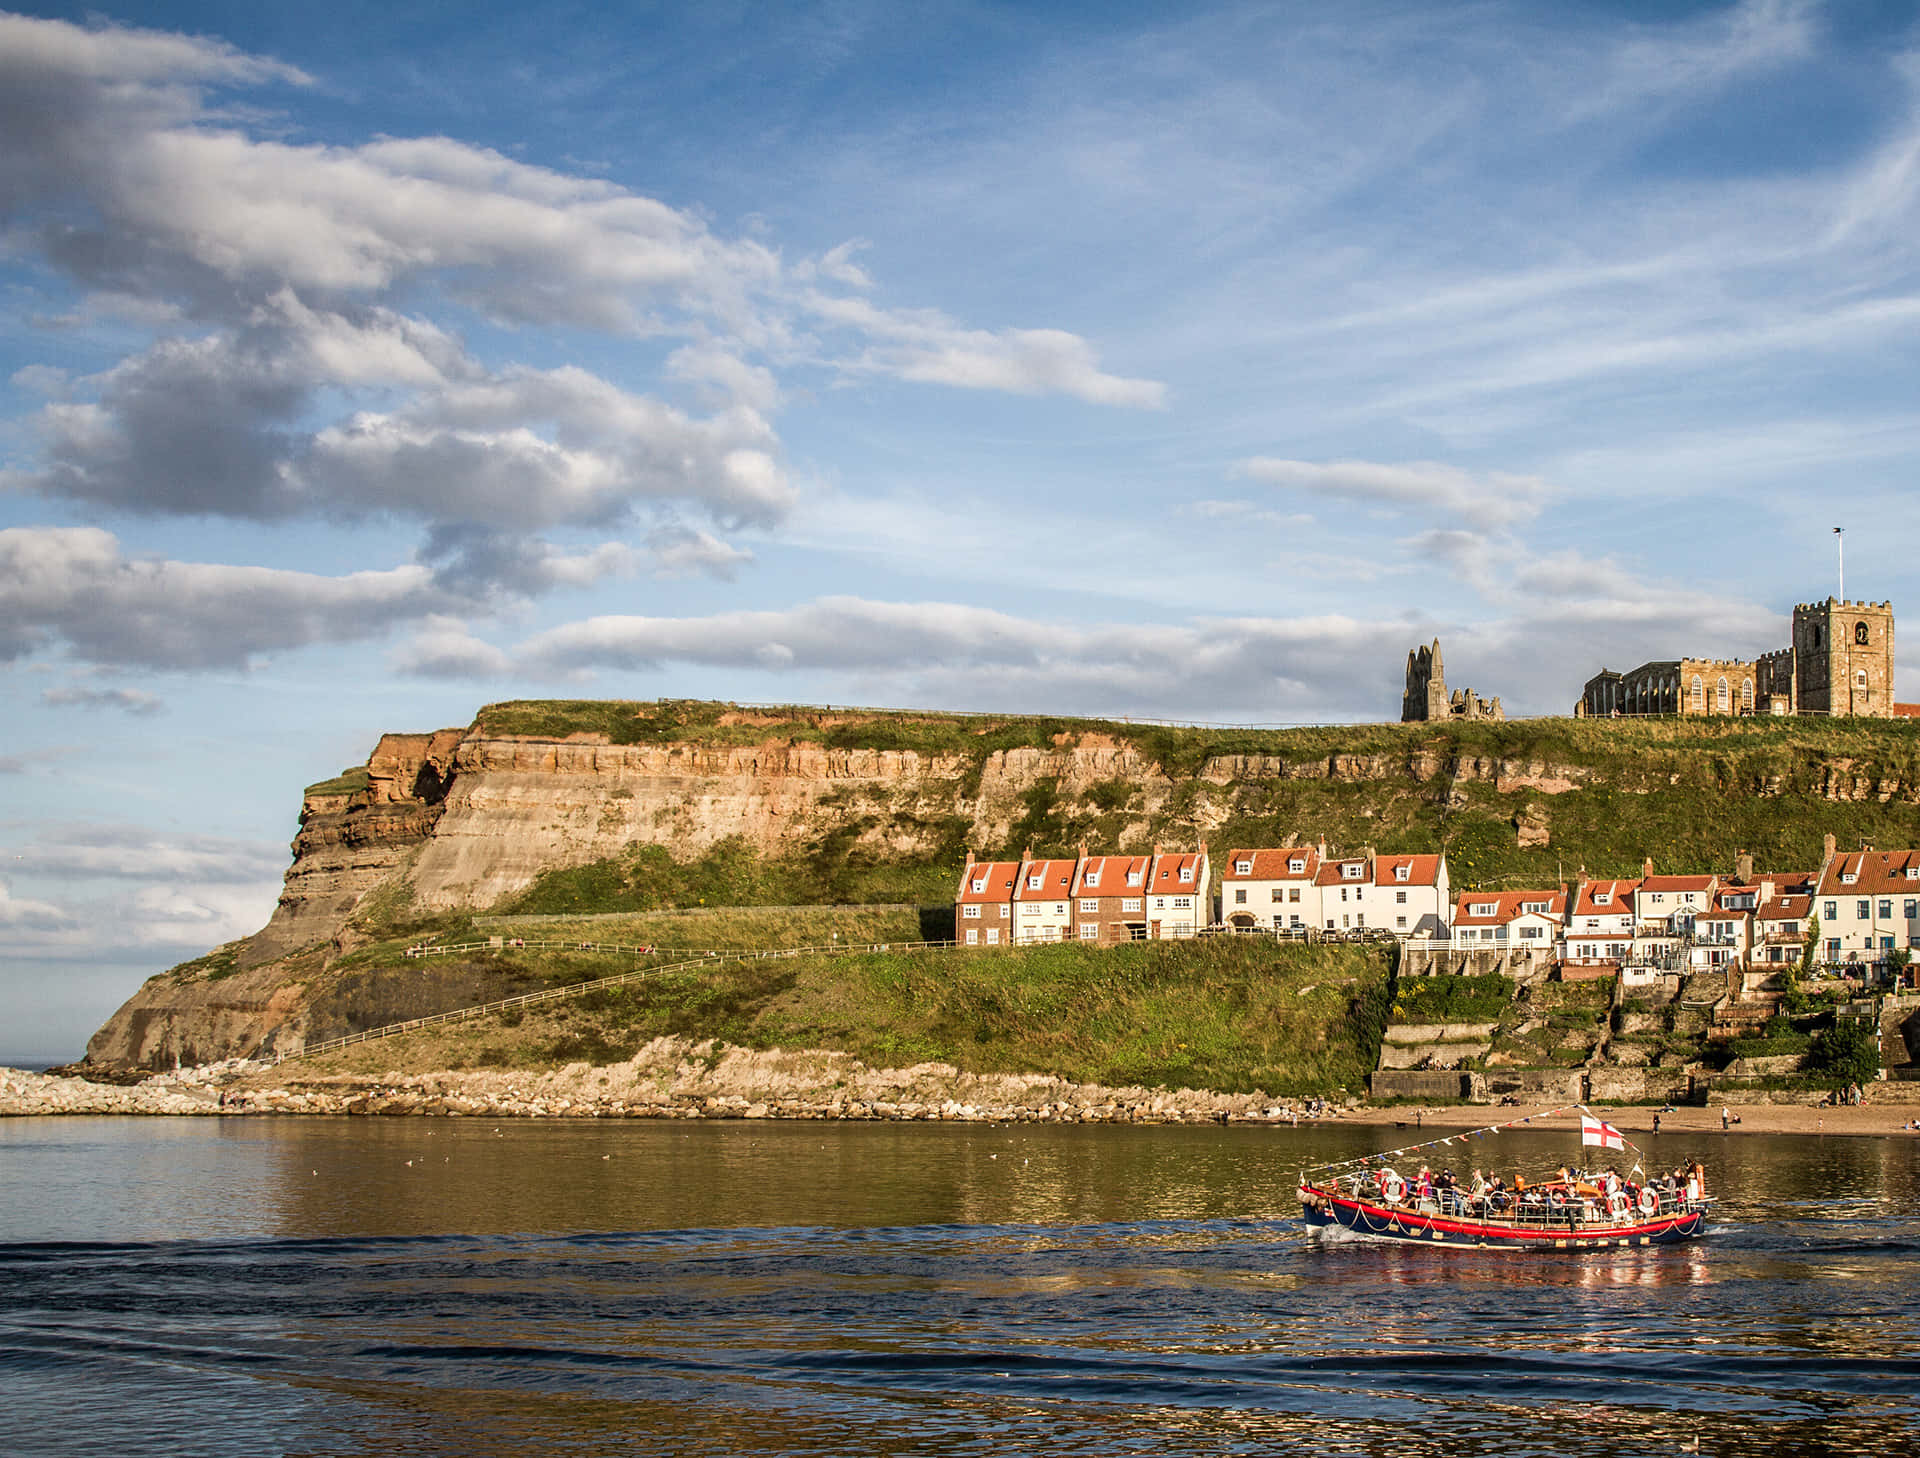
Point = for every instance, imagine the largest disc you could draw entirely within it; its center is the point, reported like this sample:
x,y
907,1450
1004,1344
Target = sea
x,y
309,1286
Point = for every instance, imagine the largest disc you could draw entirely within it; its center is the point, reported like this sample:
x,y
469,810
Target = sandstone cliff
x,y
465,819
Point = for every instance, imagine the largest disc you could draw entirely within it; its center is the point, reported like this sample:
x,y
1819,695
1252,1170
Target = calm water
x,y
428,1286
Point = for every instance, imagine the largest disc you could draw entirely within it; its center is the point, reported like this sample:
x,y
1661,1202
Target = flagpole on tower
x,y
1840,545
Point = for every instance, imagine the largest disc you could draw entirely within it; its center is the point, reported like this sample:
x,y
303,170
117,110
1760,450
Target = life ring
x,y
1649,1202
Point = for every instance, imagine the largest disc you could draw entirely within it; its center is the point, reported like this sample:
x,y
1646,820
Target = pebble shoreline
x,y
673,1078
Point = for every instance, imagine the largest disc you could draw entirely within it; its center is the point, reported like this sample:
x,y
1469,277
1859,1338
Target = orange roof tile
x,y
993,880
1056,881
1271,864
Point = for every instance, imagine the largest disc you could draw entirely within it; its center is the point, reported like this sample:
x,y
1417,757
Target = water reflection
x,y
455,1287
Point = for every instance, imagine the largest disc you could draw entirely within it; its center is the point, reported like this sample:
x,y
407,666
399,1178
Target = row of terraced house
x,y
1866,904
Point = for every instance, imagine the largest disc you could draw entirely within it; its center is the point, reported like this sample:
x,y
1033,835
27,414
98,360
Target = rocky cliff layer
x,y
467,818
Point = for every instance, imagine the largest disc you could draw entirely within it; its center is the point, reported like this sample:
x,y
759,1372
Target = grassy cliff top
x,y
1595,743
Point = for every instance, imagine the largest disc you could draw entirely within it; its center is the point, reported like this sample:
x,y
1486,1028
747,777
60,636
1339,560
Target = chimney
x,y
969,857
1646,868
1828,845
1743,868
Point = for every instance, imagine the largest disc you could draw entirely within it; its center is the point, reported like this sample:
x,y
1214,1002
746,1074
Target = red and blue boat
x,y
1570,1210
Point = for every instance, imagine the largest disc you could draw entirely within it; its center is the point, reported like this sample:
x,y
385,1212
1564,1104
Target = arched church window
x,y
1720,697
1860,634
1746,696
1699,696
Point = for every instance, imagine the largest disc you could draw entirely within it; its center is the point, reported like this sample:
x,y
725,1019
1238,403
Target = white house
x,y
1043,901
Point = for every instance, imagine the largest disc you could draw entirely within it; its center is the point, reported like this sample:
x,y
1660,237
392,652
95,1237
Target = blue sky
x,y
362,364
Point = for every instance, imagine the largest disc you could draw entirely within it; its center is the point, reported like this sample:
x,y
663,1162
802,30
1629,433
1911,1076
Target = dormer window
x,y
1403,873
1296,867
1186,873
980,885
1847,878
1133,878
1913,873
1093,878
1245,868
1352,873
1602,898
1483,908
1534,906
1033,883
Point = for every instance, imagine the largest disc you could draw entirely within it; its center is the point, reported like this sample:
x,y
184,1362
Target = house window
x,y
1483,908
1601,898
1530,933
1186,873
1243,868
1400,921
1860,911
1090,932
1240,896
1183,903
1033,883
979,886
973,936
1296,866
1293,893
993,936
1133,878
1005,911
1133,904
1912,908
1352,873
970,913
1089,908
1093,878
1059,908
1833,946
1402,873
1886,910
1278,894
1399,898
1832,913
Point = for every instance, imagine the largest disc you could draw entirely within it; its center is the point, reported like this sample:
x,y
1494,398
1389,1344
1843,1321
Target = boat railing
x,y
1521,1212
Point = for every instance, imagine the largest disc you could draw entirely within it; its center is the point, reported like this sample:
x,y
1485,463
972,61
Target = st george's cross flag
x,y
1600,1132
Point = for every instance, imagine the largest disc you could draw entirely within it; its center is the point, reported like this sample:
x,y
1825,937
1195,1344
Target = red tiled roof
x,y
1873,871
1056,881
1271,865
1678,883
999,877
1906,711
1421,870
1165,876
1506,906
1330,872
1112,873
1620,904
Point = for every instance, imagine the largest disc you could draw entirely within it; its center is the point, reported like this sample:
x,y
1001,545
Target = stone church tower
x,y
1426,695
1843,658
1426,698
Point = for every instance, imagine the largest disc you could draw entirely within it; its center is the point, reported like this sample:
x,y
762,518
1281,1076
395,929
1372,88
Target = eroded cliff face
x,y
465,818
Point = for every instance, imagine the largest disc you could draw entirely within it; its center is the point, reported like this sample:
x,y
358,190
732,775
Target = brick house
x,y
1042,901
983,906
1110,898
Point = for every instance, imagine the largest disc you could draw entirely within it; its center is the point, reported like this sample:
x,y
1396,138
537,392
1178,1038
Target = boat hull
x,y
1322,1209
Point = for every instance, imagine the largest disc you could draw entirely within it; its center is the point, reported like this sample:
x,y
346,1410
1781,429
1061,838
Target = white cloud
x,y
71,588
127,700
23,914
141,853
1489,499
